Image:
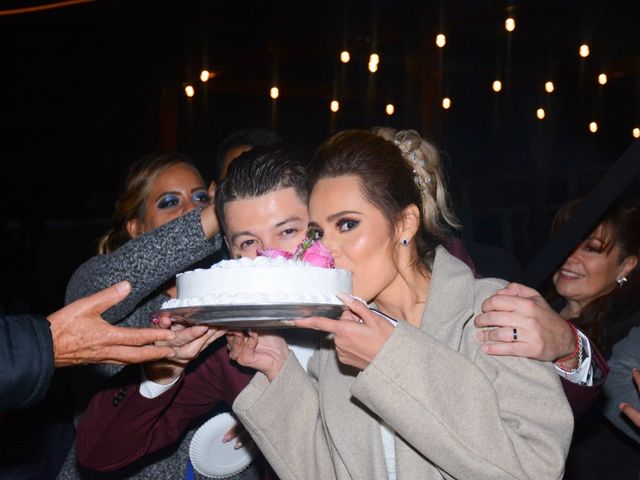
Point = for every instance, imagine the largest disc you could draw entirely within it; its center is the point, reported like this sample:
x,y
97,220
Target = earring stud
x,y
405,242
621,281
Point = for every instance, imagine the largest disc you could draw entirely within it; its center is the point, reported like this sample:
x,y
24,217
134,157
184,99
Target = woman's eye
x,y
346,225
201,197
168,201
318,233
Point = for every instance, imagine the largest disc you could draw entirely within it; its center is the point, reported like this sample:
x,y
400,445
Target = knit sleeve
x,y
147,262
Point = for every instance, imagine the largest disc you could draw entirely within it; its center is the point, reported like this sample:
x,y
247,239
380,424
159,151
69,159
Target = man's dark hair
x,y
259,171
252,137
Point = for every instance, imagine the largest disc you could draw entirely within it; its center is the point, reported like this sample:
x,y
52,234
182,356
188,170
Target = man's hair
x,y
259,171
252,137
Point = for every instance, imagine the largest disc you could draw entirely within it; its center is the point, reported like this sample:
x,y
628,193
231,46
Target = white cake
x,y
260,281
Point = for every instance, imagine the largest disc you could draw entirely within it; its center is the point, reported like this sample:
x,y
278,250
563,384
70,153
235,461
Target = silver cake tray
x,y
250,316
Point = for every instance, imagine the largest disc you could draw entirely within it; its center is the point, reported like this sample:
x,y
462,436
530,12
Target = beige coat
x,y
457,412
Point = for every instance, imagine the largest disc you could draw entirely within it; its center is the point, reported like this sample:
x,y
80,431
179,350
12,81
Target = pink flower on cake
x,y
274,253
318,255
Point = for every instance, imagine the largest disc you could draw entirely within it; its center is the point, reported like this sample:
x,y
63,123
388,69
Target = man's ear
x,y
134,228
408,225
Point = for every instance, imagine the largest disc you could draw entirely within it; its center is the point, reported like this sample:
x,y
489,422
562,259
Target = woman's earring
x,y
405,243
621,281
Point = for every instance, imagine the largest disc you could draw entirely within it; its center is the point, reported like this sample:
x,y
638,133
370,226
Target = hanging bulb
x,y
540,113
636,132
497,86
204,75
335,106
274,92
441,40
549,87
602,79
189,91
584,50
345,56
446,103
593,127
390,109
510,24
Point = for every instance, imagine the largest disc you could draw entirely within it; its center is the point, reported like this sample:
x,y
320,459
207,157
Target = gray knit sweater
x,y
148,263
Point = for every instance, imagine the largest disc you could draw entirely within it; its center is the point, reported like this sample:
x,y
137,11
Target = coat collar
x,y
451,297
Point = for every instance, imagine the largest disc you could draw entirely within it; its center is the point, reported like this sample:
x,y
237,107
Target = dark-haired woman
x,y
165,224
414,400
599,284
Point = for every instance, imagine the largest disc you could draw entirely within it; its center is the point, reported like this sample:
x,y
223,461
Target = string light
x,y
390,109
593,127
584,50
189,91
510,24
549,87
636,132
335,106
345,56
497,86
441,40
274,92
446,103
204,75
374,60
373,67
540,113
602,79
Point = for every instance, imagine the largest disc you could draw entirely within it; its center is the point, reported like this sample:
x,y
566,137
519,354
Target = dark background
x,y
86,90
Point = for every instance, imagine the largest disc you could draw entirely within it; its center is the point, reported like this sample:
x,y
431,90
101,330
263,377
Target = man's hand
x,y
81,335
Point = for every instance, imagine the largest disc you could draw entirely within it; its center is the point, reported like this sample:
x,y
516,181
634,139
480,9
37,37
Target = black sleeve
x,y
26,360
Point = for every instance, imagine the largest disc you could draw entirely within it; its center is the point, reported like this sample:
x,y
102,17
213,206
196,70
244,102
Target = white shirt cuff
x,y
150,389
583,375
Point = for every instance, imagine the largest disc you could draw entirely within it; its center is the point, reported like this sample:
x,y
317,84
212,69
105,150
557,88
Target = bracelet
x,y
577,350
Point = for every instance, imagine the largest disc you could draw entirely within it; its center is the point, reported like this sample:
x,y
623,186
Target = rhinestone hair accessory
x,y
416,160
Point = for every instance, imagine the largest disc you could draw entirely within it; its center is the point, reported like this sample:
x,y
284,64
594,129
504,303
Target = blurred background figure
x,y
238,142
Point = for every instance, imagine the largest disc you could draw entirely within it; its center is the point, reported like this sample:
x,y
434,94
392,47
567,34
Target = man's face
x,y
277,219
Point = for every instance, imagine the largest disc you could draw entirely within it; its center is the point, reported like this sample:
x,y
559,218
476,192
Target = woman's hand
x,y
542,334
187,345
261,351
240,434
358,335
627,409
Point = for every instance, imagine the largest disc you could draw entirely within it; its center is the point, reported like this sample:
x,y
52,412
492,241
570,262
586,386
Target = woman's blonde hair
x,y
396,169
131,203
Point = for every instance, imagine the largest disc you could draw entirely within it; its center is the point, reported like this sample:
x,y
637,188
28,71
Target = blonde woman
x,y
414,400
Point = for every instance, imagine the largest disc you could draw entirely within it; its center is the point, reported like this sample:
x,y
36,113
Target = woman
x,y
600,273
164,225
418,400
598,287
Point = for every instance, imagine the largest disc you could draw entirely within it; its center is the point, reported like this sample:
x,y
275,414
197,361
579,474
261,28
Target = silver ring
x,y
515,334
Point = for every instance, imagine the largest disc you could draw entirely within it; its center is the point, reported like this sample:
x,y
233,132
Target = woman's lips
x,y
569,275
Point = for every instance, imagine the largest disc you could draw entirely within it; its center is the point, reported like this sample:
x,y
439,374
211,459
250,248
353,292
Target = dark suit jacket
x,y
26,360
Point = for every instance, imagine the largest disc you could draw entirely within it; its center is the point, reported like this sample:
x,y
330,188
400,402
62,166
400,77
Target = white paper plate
x,y
212,458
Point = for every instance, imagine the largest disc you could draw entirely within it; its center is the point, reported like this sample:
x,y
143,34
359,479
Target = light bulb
x,y
602,79
390,109
441,40
497,86
549,87
593,127
345,56
274,92
510,24
335,106
204,75
584,50
189,91
446,103
540,113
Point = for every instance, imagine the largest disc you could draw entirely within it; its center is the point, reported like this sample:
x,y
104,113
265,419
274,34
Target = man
x,y
262,203
31,346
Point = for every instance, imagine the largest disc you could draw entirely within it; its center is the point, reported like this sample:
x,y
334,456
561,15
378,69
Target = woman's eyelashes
x,y
201,197
287,232
168,201
248,244
347,224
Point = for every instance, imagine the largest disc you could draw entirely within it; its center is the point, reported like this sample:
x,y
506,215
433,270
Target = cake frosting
x,y
260,281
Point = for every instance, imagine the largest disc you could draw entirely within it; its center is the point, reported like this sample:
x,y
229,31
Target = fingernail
x,y
238,445
122,287
225,439
155,320
344,298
